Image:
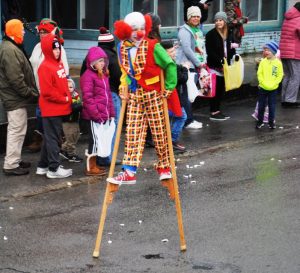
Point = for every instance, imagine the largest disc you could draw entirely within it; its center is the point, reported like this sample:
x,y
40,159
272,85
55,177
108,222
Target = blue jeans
x,y
177,124
266,97
117,106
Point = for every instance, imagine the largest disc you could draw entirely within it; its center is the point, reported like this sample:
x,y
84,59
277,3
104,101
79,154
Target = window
x,y
171,11
64,12
94,14
269,10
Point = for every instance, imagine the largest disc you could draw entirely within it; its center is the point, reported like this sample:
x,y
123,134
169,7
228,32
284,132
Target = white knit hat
x,y
193,11
105,36
135,19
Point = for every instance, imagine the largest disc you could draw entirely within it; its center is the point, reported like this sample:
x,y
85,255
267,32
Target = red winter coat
x,y
55,98
290,35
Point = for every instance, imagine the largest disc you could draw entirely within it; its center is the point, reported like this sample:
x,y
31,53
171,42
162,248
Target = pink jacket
x,y
290,35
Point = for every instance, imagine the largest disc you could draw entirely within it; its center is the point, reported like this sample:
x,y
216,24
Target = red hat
x,y
47,25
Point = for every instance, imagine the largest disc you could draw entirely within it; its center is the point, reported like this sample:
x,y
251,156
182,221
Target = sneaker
x,y
64,155
217,117
16,171
41,171
224,116
24,164
59,173
75,158
165,174
272,125
123,178
195,125
179,147
259,125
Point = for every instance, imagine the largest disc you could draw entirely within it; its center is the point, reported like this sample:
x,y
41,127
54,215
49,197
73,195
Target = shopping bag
x,y
103,134
234,73
201,84
207,83
191,86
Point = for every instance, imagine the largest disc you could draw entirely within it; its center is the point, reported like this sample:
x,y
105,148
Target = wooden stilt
x,y
172,184
110,188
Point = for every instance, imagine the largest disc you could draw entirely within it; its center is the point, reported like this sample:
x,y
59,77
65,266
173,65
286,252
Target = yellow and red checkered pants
x,y
145,108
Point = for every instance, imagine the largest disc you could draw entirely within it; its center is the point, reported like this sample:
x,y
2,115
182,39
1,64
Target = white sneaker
x,y
41,171
195,125
60,173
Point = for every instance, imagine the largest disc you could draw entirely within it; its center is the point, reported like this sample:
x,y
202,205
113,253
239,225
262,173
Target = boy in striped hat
x,y
270,74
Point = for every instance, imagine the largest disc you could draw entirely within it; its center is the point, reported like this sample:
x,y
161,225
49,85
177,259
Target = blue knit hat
x,y
273,46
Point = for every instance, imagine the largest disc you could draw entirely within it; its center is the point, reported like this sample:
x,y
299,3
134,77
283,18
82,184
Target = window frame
x,y
119,9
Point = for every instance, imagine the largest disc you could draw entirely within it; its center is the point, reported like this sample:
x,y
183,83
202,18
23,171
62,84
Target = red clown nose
x,y
140,34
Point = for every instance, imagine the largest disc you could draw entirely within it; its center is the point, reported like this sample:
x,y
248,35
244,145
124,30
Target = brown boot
x,y
91,167
36,145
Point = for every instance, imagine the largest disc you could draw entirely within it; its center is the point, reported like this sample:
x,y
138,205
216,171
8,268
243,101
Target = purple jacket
x,y
290,35
96,95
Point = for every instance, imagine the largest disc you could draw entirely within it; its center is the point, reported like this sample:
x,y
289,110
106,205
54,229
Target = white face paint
x,y
138,34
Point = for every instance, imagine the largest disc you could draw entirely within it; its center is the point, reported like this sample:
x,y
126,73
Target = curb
x,y
191,153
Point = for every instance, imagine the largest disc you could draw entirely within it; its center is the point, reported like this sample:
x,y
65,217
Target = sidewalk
x,y
211,138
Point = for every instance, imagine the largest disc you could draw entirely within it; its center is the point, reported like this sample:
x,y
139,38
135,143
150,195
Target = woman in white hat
x,y
192,52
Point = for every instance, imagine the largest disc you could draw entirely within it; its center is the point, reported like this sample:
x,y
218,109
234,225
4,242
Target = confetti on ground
x,y
187,166
196,166
122,225
69,184
193,182
0,227
140,221
202,162
109,241
178,159
272,159
165,240
207,125
192,167
145,169
279,160
185,176
11,208
5,238
294,158
280,127
297,127
109,233
190,176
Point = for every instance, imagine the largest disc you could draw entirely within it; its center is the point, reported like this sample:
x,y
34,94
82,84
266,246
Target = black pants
x,y
215,103
51,143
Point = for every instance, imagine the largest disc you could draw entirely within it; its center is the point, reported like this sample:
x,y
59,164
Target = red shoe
x,y
164,174
123,178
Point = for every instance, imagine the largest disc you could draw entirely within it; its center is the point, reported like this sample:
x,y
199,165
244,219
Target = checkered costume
x,y
141,73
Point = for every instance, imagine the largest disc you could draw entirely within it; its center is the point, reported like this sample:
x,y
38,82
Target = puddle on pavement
x,y
152,256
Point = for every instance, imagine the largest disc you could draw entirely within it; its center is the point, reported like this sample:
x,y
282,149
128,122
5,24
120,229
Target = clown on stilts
x,y
141,60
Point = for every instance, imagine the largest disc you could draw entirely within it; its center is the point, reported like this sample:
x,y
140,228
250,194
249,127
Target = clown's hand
x,y
123,92
167,93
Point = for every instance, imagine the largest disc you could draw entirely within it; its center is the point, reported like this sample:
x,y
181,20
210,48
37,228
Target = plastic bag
x,y
103,134
234,73
202,85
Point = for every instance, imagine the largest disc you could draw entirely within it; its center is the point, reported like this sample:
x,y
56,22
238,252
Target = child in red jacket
x,y
55,103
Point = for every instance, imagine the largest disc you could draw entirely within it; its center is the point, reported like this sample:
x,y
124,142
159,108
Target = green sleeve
x,y
163,60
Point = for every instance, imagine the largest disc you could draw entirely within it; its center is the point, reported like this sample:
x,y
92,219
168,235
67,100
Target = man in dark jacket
x,y
17,90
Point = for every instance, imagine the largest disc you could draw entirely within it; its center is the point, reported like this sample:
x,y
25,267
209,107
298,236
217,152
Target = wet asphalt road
x,y
240,211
